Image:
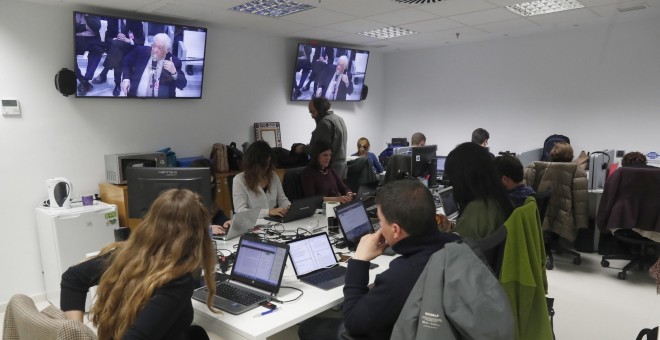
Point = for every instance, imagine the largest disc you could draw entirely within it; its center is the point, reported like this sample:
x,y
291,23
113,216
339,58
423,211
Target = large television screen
x,y
123,57
325,71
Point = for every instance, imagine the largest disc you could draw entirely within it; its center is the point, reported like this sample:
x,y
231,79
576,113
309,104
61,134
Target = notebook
x,y
355,223
242,223
448,204
315,263
255,277
301,208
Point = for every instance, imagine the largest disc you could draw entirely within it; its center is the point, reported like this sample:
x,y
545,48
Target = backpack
x,y
219,158
549,143
234,157
385,155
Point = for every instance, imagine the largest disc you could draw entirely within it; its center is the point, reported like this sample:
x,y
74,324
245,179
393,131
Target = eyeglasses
x,y
160,48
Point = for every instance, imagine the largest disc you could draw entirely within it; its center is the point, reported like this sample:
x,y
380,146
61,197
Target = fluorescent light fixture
x,y
539,7
388,32
271,8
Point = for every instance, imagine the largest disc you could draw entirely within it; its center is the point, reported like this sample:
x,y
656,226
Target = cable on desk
x,y
292,300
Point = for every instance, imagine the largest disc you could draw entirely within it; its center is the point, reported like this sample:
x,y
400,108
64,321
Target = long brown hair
x,y
172,240
258,158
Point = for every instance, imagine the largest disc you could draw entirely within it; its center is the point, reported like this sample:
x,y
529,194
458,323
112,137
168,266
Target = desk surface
x,y
313,301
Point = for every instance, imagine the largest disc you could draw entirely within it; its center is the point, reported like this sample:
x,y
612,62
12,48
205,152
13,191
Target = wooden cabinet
x,y
118,195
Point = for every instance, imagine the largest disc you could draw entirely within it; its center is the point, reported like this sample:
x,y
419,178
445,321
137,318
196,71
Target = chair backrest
x,y
542,199
398,166
292,185
360,172
24,321
492,248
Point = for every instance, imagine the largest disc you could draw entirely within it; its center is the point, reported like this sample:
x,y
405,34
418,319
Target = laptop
x,y
440,166
301,208
367,194
355,223
255,277
448,204
243,222
315,263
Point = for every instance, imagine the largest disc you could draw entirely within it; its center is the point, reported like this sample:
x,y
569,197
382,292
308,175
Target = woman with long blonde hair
x,y
145,284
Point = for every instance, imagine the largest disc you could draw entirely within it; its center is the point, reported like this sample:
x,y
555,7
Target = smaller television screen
x,y
123,57
335,73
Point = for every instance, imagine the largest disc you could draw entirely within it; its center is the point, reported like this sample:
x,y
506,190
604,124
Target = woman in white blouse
x,y
258,186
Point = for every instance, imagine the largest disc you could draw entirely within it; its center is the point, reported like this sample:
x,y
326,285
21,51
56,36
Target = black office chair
x,y
550,239
492,248
360,172
292,185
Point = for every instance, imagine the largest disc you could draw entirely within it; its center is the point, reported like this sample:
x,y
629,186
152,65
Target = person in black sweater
x,y
145,284
406,211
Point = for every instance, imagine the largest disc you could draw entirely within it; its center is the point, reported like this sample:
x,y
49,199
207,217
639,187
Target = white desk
x,y
313,301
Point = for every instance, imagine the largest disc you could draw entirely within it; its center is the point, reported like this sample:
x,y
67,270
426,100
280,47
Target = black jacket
x,y
371,313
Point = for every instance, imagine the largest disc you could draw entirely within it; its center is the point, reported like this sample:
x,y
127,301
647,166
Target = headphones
x,y
604,166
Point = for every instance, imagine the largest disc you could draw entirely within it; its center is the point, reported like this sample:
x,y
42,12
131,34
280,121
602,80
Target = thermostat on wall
x,y
10,107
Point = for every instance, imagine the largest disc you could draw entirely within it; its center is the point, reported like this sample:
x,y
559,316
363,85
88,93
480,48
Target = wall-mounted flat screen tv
x,y
119,57
326,71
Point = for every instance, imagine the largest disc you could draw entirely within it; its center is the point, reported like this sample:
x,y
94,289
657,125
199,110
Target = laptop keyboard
x,y
235,294
326,275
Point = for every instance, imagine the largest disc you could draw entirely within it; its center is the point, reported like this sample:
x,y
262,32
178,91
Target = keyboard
x,y
326,275
236,294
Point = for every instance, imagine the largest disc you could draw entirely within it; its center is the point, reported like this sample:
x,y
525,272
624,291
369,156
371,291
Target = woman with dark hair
x,y
634,159
145,284
319,179
258,186
483,204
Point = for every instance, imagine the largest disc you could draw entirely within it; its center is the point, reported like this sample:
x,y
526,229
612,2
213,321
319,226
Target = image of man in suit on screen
x,y
121,38
154,71
336,82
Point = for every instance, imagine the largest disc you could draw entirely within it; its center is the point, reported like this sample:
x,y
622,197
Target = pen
x,y
267,312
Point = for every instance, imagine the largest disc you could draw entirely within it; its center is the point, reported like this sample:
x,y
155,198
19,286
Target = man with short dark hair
x,y
481,137
511,172
406,211
418,139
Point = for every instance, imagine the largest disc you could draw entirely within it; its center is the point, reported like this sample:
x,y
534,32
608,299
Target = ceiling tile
x,y
356,26
434,25
358,8
404,16
319,33
565,18
356,39
485,17
317,17
448,8
508,26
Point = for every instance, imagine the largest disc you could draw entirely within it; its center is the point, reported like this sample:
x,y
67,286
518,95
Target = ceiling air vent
x,y
632,8
417,1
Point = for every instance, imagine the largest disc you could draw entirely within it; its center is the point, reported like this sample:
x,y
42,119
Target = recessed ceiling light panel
x,y
539,7
388,32
271,8
417,1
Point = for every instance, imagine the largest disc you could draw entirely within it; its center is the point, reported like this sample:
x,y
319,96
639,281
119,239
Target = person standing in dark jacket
x,y
406,211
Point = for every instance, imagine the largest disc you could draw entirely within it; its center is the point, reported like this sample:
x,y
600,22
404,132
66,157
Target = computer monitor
x,y
424,163
399,141
599,164
530,156
145,184
402,150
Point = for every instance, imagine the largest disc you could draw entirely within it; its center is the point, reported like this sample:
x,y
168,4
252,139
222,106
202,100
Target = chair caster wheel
x,y
621,275
549,265
604,263
577,261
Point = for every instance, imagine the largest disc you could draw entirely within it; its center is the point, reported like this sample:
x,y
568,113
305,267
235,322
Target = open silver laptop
x,y
243,222
255,277
448,203
315,263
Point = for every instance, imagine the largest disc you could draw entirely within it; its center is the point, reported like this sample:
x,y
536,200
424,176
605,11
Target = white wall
x,y
600,86
247,80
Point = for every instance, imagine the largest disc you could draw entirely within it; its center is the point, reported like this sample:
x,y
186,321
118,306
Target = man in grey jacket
x,y
331,128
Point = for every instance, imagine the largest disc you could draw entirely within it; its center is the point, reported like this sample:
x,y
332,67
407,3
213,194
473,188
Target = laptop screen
x,y
260,263
448,203
311,253
441,164
354,221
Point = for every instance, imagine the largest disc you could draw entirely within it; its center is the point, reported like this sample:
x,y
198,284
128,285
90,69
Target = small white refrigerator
x,y
66,236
